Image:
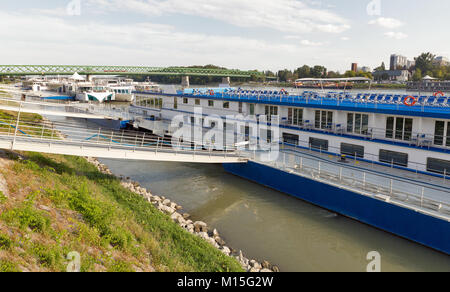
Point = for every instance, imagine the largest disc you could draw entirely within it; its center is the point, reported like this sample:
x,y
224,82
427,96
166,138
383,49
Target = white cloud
x,y
345,38
289,16
396,35
33,39
389,23
310,43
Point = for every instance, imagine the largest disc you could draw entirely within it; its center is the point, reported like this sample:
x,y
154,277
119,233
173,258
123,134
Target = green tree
x,y
381,68
318,71
417,75
304,72
425,62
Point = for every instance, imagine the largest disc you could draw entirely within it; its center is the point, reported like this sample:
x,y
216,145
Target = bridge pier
x,y
185,81
89,77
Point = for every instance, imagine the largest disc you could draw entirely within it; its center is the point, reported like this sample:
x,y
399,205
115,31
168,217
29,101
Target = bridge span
x,y
22,70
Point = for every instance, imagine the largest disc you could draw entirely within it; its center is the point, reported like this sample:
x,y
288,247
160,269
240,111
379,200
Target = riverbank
x,y
197,228
52,206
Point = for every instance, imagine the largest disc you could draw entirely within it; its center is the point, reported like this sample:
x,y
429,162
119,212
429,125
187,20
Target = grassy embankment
x,y
54,205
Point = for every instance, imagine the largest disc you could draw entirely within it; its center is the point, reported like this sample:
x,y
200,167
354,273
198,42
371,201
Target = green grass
x,y
8,267
26,216
5,242
177,243
86,211
3,198
122,225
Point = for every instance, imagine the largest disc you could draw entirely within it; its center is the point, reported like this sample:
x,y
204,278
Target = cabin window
x,y
399,128
252,109
319,144
394,158
197,101
291,139
185,101
438,166
240,107
226,104
175,103
352,150
442,133
324,120
210,103
271,111
192,120
295,116
358,123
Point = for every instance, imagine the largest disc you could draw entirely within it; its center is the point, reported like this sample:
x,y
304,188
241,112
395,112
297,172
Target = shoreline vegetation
x,y
53,205
355,86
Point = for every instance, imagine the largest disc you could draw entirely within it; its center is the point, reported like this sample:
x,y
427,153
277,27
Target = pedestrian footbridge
x,y
73,139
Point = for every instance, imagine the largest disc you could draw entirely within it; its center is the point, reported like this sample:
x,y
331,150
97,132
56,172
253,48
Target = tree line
x,y
425,65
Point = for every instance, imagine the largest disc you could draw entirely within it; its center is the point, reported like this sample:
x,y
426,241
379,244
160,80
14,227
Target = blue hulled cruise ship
x,y
382,159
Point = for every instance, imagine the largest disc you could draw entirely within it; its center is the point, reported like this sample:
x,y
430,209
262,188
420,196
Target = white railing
x,y
72,134
384,187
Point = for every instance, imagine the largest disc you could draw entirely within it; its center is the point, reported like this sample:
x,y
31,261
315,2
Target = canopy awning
x,y
77,77
428,77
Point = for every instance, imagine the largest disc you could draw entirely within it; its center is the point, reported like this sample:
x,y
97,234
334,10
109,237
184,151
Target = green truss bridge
x,y
21,70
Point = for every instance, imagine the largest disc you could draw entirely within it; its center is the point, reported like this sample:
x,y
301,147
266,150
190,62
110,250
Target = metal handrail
x,y
320,170
108,138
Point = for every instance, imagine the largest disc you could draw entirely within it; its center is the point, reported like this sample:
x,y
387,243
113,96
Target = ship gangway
x,y
64,109
76,140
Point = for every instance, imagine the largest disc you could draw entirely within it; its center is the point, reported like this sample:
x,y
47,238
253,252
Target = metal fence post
x,y
17,127
98,136
423,194
143,140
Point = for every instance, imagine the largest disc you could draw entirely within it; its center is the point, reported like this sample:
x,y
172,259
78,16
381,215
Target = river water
x,y
269,225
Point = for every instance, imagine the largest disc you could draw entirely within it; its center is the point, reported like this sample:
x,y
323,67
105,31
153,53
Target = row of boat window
x,y
122,91
150,102
386,156
397,128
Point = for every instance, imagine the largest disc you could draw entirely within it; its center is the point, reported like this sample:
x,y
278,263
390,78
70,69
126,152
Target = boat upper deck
x,y
422,106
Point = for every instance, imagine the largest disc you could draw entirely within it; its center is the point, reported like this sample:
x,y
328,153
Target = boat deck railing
x,y
420,196
409,138
362,100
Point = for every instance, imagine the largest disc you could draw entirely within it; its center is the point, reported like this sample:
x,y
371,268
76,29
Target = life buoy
x,y
408,98
283,91
438,93
211,92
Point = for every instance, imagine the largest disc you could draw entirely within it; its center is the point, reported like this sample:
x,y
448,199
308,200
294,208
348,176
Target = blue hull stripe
x,y
417,227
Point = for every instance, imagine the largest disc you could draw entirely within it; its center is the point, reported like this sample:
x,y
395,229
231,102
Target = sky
x,y
238,34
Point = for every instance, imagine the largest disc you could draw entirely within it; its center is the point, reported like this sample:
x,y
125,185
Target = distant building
x,y
441,61
393,75
355,67
365,69
411,64
398,62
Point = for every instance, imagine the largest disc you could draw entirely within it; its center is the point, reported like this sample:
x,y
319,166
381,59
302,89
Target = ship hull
x,y
407,223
